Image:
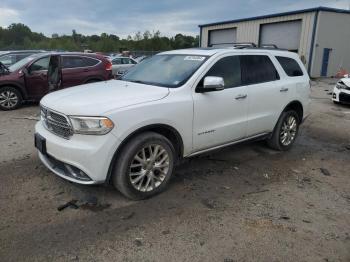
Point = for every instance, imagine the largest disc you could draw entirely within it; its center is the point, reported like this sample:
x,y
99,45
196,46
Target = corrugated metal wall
x,y
333,31
248,31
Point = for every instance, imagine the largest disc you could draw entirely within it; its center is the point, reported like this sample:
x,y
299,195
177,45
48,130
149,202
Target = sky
x,y
125,18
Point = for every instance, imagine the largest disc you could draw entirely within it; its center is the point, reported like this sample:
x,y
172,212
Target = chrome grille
x,y
56,123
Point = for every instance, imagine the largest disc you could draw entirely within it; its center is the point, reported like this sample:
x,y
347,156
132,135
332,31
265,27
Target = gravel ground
x,y
243,203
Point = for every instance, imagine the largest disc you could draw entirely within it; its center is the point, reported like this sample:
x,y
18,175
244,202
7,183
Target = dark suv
x,y
36,75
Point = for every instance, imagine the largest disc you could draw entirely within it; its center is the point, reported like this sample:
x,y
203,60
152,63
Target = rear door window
x,y
290,66
72,62
257,69
126,61
229,68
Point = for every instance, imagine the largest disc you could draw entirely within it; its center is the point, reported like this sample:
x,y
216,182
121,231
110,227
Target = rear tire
x,y
10,98
144,166
285,132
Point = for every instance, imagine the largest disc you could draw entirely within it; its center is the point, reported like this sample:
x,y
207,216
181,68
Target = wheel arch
x,y
20,88
163,129
297,106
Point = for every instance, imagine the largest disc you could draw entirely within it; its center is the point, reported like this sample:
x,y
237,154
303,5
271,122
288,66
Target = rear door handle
x,y
240,97
284,89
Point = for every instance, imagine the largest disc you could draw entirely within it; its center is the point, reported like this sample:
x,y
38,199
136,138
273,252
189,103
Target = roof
x,y
69,53
213,51
193,51
20,51
315,9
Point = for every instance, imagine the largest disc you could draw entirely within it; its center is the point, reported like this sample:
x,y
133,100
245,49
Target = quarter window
x,y
229,68
257,69
90,61
290,66
41,64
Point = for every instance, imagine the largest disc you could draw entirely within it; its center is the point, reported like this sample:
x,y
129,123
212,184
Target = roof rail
x,y
268,46
243,45
249,45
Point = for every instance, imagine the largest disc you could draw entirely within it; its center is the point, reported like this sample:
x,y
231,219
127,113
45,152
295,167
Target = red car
x,y
35,76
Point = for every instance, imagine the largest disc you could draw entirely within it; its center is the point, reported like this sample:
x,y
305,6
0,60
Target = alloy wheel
x,y
288,130
8,99
149,168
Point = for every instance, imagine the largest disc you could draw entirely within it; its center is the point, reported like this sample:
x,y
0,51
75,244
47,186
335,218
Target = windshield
x,y
165,70
22,62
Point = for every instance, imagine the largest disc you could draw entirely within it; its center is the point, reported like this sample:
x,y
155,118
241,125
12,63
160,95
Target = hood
x,y
346,81
95,99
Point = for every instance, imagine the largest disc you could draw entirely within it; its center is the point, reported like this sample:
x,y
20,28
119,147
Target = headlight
x,y
91,125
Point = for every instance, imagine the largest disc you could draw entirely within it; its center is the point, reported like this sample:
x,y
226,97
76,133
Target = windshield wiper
x,y
137,81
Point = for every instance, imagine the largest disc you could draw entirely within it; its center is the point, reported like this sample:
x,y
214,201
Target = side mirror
x,y
211,84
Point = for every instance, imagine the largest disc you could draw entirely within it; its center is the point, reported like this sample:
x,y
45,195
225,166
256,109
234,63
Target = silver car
x,y
121,64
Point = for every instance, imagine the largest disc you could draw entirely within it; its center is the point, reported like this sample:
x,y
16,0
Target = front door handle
x,y
284,89
240,97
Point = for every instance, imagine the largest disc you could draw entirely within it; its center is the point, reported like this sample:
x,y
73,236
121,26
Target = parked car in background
x,y
121,64
341,92
8,58
173,105
36,75
140,58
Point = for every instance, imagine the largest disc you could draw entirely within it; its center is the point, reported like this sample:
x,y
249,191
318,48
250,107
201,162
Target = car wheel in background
x,y
285,132
10,98
144,166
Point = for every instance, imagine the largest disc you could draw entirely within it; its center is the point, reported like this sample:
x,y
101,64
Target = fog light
x,y
77,173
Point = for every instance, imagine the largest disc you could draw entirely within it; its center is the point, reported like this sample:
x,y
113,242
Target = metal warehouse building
x,y
321,36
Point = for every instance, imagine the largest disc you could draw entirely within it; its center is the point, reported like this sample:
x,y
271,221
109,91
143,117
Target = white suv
x,y
131,132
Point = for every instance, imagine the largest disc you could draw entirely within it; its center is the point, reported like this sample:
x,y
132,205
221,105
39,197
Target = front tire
x,y
285,132
144,166
10,98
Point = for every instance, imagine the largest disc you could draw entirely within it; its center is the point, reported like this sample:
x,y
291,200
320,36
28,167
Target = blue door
x,y
325,60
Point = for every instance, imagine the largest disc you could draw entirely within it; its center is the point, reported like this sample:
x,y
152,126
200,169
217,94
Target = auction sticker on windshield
x,y
195,58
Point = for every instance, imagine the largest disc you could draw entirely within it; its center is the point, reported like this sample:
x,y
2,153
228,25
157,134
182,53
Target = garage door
x,y
222,37
285,35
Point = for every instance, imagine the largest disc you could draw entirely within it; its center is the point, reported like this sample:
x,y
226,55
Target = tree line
x,y
20,36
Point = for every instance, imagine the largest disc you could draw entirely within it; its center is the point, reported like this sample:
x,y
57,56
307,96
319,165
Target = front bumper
x,y
90,154
341,96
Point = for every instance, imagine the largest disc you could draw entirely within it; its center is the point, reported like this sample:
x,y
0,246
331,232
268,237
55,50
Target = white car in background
x,y
122,64
133,131
341,92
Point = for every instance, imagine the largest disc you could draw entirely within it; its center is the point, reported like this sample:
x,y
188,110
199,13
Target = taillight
x,y
108,66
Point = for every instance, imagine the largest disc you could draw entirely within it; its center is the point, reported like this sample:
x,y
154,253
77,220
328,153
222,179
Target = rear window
x,y
290,66
257,69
